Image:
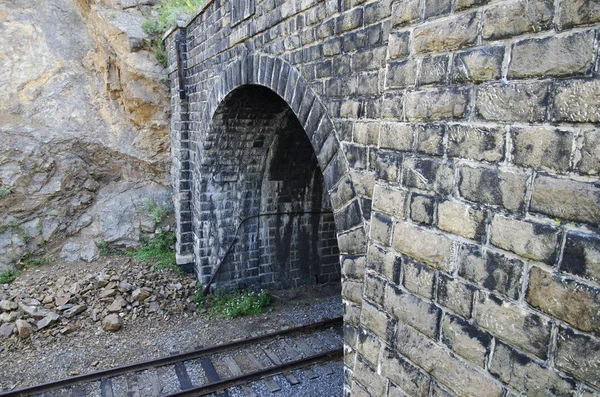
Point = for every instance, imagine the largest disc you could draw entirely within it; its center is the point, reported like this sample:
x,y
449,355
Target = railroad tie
x,y
211,375
295,355
133,389
79,391
182,375
270,382
277,361
106,388
237,371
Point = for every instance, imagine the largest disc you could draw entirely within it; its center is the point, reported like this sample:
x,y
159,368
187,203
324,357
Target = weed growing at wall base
x,y
158,251
235,304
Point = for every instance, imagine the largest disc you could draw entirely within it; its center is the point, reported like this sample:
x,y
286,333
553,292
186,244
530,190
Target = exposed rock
x,y
79,250
74,311
77,134
6,330
9,317
112,322
6,305
49,319
23,329
140,294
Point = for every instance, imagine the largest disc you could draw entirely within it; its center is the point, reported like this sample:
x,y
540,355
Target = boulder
x,y
23,329
112,323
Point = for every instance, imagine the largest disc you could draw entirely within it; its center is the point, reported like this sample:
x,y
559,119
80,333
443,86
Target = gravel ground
x,y
90,348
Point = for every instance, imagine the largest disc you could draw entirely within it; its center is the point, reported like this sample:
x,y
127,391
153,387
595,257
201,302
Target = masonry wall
x,y
459,144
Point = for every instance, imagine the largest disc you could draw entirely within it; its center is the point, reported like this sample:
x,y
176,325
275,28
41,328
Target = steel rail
x,y
242,379
160,362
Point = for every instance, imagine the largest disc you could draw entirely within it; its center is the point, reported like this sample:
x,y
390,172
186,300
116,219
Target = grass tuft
x,y
158,251
235,304
8,276
168,12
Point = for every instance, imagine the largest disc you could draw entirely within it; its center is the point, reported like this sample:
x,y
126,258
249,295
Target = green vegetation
x,y
235,304
29,260
8,276
157,211
158,251
168,11
4,191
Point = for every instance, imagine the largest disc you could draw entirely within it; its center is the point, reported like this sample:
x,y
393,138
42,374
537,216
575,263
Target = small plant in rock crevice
x,y
4,191
234,304
8,276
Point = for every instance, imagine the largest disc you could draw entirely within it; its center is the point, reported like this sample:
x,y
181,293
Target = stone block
x,y
455,295
423,245
446,35
461,219
418,278
366,133
512,18
435,8
381,228
412,310
353,266
590,153
332,47
390,201
377,321
528,239
572,301
352,291
577,101
401,74
368,84
578,12
428,174
515,325
353,242
387,165
405,11
392,107
369,377
356,155
374,289
578,355
399,45
369,347
581,256
369,59
528,376
352,314
421,208
566,198
524,102
434,70
478,65
349,20
396,136
494,187
542,148
399,370
463,379
438,104
491,270
384,262
559,55
476,142
430,139
465,339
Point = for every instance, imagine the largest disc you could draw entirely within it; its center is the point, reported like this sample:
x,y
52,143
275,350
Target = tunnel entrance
x,y
265,218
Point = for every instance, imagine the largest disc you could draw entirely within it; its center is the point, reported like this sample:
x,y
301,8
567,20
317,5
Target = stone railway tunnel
x,y
441,157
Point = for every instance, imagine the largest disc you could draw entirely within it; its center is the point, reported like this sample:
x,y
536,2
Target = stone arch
x,y
285,81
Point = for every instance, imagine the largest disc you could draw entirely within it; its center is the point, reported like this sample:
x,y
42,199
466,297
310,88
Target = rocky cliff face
x,y
84,140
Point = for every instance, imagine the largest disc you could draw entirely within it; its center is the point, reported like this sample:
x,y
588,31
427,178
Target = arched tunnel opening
x,y
265,217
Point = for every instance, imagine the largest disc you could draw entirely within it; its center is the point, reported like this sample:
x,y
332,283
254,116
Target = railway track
x,y
264,360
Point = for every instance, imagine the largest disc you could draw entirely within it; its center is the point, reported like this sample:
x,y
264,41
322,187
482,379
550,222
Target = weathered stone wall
x,y
460,147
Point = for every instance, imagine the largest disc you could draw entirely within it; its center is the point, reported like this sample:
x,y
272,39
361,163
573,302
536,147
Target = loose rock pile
x,y
118,294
